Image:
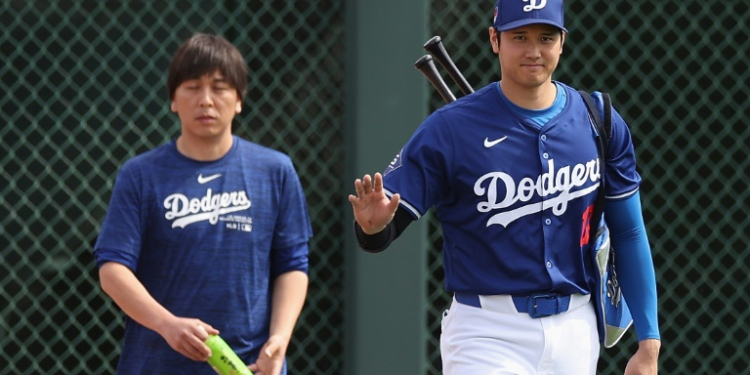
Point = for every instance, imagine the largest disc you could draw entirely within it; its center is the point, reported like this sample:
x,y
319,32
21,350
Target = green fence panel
x,y
83,87
678,72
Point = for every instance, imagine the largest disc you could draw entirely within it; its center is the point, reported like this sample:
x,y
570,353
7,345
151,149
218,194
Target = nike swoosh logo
x,y
203,180
489,144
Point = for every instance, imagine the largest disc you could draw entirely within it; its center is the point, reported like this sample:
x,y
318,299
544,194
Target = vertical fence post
x,y
386,100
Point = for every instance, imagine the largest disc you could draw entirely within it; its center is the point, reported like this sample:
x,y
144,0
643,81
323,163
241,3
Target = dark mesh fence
x,y
83,86
677,72
83,90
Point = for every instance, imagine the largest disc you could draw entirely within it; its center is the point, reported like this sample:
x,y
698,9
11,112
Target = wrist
x,y
371,231
280,342
650,347
162,322
369,228
280,337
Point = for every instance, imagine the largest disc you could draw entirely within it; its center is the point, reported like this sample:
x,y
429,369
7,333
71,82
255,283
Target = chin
x,y
537,81
208,132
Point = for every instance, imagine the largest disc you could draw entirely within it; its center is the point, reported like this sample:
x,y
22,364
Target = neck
x,y
536,97
204,149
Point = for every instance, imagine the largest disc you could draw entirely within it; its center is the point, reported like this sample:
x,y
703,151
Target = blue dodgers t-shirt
x,y
205,239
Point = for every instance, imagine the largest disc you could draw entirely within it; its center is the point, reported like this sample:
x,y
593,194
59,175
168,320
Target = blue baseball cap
x,y
510,14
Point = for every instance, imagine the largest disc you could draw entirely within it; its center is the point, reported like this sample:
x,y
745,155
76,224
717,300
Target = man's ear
x,y
494,39
173,106
563,34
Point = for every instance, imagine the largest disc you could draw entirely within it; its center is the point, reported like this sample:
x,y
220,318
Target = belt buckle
x,y
541,305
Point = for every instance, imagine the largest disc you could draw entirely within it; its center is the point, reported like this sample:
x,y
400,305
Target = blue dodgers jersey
x,y
205,238
513,198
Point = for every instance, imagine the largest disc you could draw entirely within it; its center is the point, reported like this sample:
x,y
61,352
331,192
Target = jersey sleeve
x,y
622,178
418,173
120,237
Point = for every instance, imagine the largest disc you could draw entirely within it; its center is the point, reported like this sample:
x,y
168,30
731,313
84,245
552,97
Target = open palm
x,y
372,208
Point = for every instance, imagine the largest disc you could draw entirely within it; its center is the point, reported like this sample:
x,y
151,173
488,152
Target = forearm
x,y
638,283
289,293
375,243
119,282
635,269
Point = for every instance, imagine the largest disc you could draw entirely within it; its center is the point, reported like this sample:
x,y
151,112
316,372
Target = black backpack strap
x,y
607,120
604,129
603,124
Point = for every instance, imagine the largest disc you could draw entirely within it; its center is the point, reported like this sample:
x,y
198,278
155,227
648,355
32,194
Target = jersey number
x,y
586,225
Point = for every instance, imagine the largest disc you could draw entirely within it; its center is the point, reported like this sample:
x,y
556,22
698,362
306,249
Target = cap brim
x,y
529,21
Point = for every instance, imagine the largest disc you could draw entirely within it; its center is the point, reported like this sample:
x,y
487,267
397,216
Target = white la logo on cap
x,y
534,5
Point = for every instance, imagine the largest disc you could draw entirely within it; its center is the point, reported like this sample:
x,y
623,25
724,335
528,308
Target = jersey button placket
x,y
547,221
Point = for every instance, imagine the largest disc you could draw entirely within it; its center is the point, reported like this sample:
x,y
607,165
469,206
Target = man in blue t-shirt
x,y
207,234
512,172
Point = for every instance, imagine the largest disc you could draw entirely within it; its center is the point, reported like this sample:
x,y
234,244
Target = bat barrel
x,y
436,48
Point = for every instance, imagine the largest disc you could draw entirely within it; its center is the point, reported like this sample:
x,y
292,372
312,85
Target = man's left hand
x,y
271,358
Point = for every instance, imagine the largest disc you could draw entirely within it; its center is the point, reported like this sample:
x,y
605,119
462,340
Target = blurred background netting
x,y
83,90
678,72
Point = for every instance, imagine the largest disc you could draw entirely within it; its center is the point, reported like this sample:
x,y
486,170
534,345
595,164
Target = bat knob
x,y
434,40
422,61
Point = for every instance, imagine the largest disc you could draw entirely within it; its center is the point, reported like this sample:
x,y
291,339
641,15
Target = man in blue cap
x,y
513,173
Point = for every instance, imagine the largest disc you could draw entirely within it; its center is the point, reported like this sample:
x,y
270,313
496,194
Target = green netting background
x,y
678,73
83,90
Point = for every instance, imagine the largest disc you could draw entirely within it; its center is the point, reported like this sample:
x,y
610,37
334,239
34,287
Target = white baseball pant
x,y
496,339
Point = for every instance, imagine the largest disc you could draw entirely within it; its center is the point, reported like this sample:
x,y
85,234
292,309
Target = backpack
x,y
613,315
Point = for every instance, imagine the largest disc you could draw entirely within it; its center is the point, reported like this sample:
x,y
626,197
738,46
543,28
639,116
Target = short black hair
x,y
204,54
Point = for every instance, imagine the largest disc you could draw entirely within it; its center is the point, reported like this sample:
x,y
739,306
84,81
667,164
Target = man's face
x,y
206,106
528,54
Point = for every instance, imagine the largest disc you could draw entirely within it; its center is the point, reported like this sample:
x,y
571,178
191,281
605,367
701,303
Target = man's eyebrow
x,y
518,32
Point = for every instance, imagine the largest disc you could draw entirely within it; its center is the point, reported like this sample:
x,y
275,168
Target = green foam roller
x,y
223,359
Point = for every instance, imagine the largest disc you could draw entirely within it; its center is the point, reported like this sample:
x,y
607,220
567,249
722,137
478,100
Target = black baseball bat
x,y
428,68
435,47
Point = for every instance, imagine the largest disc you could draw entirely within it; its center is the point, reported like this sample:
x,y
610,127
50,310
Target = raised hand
x,y
372,208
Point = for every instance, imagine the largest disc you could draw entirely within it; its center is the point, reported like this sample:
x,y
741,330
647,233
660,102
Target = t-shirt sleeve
x,y
120,237
293,229
290,259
